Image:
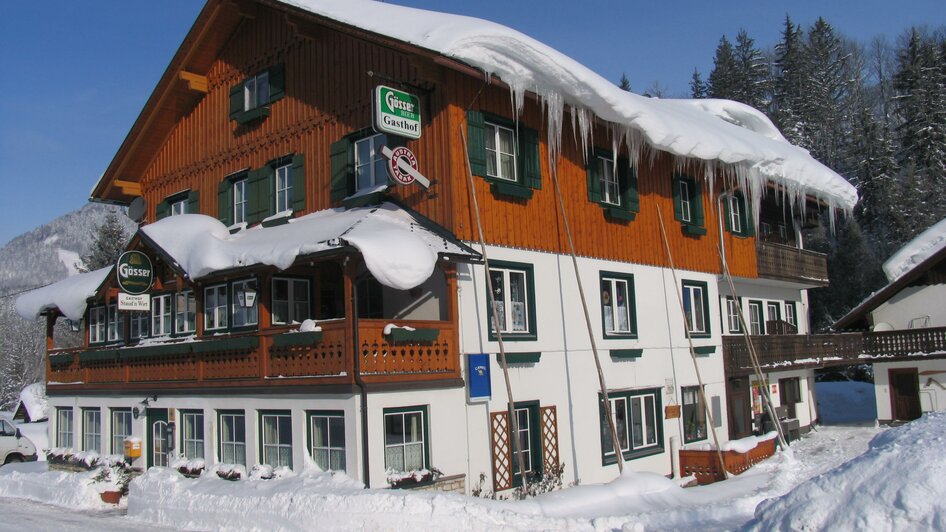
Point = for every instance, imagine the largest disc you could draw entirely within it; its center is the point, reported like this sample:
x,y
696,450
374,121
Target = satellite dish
x,y
136,209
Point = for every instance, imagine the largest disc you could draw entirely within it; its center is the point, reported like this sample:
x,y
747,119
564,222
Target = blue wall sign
x,y
478,374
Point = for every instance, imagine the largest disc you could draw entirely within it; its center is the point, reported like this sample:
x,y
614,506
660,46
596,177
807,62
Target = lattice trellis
x,y
549,438
502,457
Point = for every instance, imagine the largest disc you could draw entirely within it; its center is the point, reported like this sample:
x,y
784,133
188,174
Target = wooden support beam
x,y
304,28
246,8
195,82
130,188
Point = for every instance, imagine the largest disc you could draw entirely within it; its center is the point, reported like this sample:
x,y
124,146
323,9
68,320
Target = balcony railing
x,y
269,358
784,263
821,350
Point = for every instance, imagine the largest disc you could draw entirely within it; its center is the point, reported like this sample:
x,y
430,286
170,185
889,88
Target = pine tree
x,y
788,90
827,86
110,241
624,83
698,88
722,80
752,72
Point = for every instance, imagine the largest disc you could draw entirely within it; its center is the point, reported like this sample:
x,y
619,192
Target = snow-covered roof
x,y
710,130
399,248
33,399
68,295
924,246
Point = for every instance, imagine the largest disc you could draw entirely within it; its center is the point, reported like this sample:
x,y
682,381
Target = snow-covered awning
x,y
68,295
400,248
720,131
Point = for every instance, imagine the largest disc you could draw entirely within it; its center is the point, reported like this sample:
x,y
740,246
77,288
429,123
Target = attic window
x,y
251,98
256,91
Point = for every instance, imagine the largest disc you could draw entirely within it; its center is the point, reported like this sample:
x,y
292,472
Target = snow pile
x,y
68,295
896,485
924,246
32,481
717,131
33,399
846,402
742,446
399,251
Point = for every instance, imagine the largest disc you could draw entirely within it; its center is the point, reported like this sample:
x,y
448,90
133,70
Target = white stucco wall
x,y
914,302
758,291
932,385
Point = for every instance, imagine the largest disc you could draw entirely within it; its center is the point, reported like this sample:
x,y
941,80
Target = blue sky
x,y
76,74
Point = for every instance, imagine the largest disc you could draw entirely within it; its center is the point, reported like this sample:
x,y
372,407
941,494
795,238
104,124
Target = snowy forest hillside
x,y
873,112
44,255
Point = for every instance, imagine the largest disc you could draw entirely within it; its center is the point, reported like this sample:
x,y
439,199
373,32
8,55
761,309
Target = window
x,y
405,438
515,301
138,325
774,311
637,421
688,205
790,314
617,305
192,434
216,307
239,201
696,308
97,322
327,440
736,215
756,321
505,153
92,430
161,315
250,99
186,202
790,395
530,443
276,429
6,429
232,431
121,429
370,165
179,207
283,188
732,315
185,312
64,427
694,415
613,185
116,324
610,190
290,301
244,303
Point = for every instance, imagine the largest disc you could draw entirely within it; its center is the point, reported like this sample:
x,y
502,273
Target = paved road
x,y
23,515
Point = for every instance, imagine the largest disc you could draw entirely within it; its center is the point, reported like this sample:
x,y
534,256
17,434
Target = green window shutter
x,y
236,101
476,142
298,183
594,178
529,166
747,217
193,202
343,169
225,202
677,207
277,82
697,203
161,210
627,179
260,197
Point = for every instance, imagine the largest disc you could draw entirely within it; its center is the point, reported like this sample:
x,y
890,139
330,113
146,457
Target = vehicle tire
x,y
14,459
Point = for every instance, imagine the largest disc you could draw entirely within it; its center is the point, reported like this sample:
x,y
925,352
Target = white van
x,y
14,446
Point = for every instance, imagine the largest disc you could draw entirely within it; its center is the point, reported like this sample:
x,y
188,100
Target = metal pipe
x,y
365,461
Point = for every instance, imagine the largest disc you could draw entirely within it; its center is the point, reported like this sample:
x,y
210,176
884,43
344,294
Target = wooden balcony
x,y
785,263
786,351
268,359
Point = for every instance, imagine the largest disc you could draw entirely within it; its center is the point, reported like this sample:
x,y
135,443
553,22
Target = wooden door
x,y
740,408
905,394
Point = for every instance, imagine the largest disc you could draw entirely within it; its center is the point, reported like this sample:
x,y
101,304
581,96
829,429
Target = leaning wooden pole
x,y
696,367
511,404
591,336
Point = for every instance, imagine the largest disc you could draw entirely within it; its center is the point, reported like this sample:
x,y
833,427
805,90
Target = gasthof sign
x,y
134,272
396,112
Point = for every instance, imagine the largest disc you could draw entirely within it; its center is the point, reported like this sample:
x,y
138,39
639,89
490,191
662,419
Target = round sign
x,y
397,173
134,272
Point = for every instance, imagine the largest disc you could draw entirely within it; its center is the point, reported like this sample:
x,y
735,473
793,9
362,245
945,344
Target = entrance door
x,y
905,394
157,437
740,420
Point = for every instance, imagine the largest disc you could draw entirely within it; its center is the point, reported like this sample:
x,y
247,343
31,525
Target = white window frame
x,y
374,167
504,305
248,316
697,297
623,403
161,315
790,316
216,311
495,154
735,213
98,317
326,455
178,207
612,309
92,429
404,444
609,182
756,319
290,303
524,428
240,201
283,183
121,428
115,325
185,311
686,209
253,90
689,400
276,453
192,441
236,446
732,315
64,427
139,323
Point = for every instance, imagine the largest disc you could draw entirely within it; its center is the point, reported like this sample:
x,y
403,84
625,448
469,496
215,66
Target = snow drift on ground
x,y
898,484
846,402
33,399
715,130
924,246
31,480
68,296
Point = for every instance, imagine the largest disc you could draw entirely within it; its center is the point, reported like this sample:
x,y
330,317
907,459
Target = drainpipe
x,y
365,462
722,233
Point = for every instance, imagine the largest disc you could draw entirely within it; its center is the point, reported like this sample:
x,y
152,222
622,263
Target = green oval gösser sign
x,y
135,273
